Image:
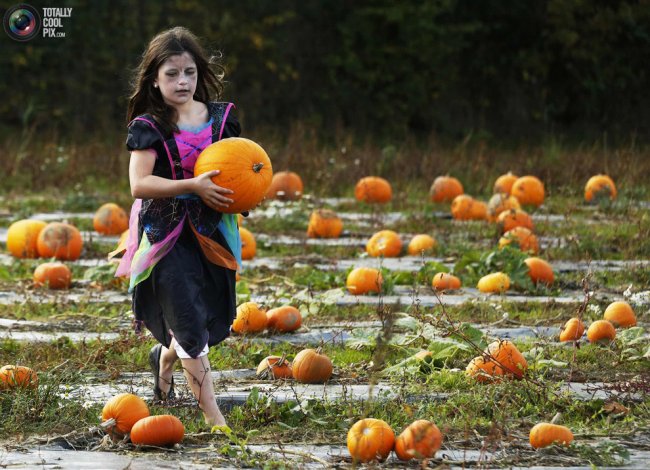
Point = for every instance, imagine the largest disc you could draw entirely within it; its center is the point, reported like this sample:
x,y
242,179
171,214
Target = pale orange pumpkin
x,y
274,367
12,376
370,439
285,186
540,271
110,219
60,240
620,314
250,319
572,330
511,218
125,409
159,430
494,283
545,434
310,366
501,202
373,189
503,183
529,190
421,244
600,187
461,207
420,440
364,280
324,223
248,244
386,243
523,237
445,281
245,168
284,319
53,275
22,237
601,331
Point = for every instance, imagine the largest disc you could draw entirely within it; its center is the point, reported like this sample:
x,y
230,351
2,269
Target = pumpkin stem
x,y
282,359
109,423
257,167
557,418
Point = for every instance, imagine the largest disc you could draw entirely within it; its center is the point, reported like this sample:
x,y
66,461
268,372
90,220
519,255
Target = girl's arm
x,y
144,185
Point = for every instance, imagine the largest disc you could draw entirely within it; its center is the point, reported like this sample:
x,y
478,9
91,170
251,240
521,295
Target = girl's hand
x,y
213,195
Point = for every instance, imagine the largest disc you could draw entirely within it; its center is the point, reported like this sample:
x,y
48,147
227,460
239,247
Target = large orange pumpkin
x,y
53,275
545,434
526,239
60,240
539,271
445,189
384,243
310,366
284,319
160,430
17,377
248,244
110,219
511,218
420,440
572,330
600,187
126,409
529,190
363,280
421,244
501,202
274,367
503,183
620,314
285,186
373,189
444,281
324,223
250,319
22,237
244,167
370,439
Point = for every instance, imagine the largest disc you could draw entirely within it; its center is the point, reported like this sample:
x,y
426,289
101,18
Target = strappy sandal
x,y
154,363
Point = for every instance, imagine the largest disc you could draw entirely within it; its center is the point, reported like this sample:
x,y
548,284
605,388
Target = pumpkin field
x,y
385,327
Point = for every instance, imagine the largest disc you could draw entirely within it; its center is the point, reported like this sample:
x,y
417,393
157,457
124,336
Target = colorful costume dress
x,y
181,255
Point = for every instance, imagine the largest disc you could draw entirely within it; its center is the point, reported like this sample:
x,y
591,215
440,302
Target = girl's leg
x,y
197,373
168,358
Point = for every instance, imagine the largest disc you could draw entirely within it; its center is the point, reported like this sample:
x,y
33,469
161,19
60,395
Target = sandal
x,y
154,363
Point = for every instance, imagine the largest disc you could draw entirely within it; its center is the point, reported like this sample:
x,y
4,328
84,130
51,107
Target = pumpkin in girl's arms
x,y
244,167
17,377
59,240
324,223
274,367
373,189
248,244
370,439
22,236
250,319
160,430
53,275
284,319
110,219
285,186
121,412
310,366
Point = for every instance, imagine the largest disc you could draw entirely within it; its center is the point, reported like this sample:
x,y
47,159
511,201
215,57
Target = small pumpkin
x,y
620,314
274,367
494,283
245,168
529,191
481,369
461,207
422,244
122,411
54,275
110,219
362,280
445,281
384,243
248,244
159,430
420,440
545,434
22,238
503,183
523,237
511,218
285,186
324,223
539,271
250,319
370,439
373,189
501,202
572,330
445,189
310,366
59,240
600,187
283,319
601,331
12,376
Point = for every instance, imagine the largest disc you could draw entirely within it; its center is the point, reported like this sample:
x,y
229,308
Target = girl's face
x,y
176,79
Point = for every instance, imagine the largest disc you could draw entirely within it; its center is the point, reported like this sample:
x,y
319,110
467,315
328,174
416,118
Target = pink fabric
x,y
190,145
225,117
124,268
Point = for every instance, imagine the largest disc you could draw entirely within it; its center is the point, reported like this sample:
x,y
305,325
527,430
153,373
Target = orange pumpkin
x,y
501,202
529,190
53,275
445,281
539,271
110,219
284,319
363,280
504,183
373,189
508,359
545,434
479,210
461,207
445,189
311,367
22,237
421,244
620,314
600,187
511,218
274,367
526,240
481,369
59,240
248,244
160,430
250,319
494,283
324,223
601,331
420,440
572,330
125,409
370,439
285,186
17,377
384,243
245,168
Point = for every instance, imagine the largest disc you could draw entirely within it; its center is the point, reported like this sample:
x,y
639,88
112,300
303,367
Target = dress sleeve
x,y
141,136
231,127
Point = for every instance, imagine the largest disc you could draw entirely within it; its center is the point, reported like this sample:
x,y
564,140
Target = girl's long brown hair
x,y
147,99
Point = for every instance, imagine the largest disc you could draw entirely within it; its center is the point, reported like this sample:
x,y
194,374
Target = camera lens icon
x,y
22,22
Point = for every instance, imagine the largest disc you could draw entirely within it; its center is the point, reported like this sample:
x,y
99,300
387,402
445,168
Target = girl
x,y
182,252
